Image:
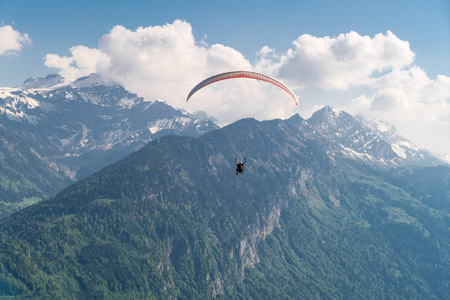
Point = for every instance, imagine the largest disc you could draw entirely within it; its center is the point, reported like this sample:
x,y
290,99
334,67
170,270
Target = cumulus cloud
x,y
337,63
417,105
12,41
83,61
408,96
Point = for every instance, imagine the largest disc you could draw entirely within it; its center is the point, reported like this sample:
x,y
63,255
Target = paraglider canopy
x,y
242,74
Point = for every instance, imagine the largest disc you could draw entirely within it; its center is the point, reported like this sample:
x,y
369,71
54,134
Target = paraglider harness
x,y
239,166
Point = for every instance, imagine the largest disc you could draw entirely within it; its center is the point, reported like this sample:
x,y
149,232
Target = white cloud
x,y
12,41
84,61
340,62
416,104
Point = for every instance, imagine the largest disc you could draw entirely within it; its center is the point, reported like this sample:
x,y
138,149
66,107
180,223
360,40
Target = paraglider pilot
x,y
239,166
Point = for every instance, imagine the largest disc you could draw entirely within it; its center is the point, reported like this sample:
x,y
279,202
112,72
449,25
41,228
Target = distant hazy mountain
x,y
51,81
376,144
26,176
173,221
90,123
73,129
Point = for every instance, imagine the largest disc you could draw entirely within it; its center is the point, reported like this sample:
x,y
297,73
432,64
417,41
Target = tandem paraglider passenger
x,y
239,166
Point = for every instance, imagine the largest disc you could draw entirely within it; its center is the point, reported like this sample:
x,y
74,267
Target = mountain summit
x,y
48,82
375,143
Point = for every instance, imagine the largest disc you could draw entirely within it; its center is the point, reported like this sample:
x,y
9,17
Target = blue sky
x,y
414,35
55,26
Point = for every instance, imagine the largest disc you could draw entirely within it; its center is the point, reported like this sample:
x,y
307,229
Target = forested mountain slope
x,y
174,221
26,176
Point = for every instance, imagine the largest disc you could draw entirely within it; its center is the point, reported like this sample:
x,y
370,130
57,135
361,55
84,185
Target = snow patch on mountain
x,y
163,124
351,153
399,151
446,158
90,81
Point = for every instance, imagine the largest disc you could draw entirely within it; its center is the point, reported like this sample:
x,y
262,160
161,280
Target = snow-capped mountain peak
x,y
324,115
376,143
91,80
90,122
54,81
402,146
44,82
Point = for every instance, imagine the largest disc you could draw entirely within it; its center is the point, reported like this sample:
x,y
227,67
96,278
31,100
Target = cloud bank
x,y
337,63
416,104
166,62
12,41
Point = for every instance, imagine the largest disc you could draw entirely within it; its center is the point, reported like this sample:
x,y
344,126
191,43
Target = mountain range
x,y
76,128
375,143
89,123
173,221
